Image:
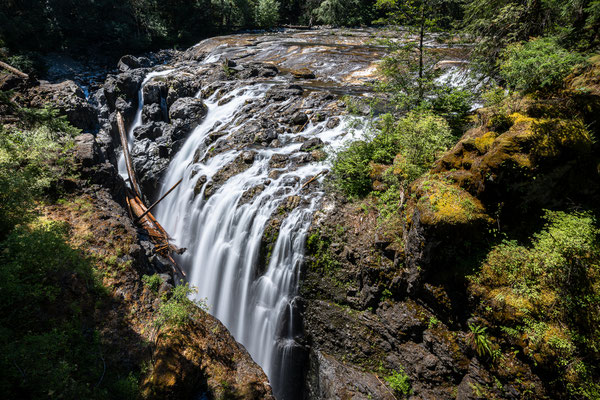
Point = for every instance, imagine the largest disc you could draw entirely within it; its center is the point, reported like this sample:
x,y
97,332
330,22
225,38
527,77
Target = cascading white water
x,y
223,236
137,120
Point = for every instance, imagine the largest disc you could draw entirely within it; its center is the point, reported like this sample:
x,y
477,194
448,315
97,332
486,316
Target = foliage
x,y
411,144
410,72
344,12
267,13
549,293
351,168
454,105
540,64
496,24
122,26
49,346
421,137
178,309
30,160
153,282
399,382
318,245
479,340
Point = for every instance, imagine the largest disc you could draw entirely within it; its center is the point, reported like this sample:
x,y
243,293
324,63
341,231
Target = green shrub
x,y
399,382
540,64
454,105
153,282
178,308
29,162
351,168
421,138
548,294
47,117
479,340
412,143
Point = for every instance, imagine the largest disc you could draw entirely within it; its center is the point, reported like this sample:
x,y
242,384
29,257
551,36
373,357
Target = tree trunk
x,y
421,39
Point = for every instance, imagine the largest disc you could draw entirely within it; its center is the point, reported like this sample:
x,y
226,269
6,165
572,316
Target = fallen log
x,y
157,233
140,213
124,144
161,199
314,178
13,70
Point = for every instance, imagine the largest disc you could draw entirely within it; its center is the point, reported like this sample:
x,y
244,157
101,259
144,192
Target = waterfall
x,y
137,120
223,234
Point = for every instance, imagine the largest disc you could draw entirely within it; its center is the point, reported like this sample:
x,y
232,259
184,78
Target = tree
x,y
498,23
409,58
344,12
267,13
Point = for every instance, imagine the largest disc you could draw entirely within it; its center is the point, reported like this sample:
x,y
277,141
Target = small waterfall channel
x,y
223,232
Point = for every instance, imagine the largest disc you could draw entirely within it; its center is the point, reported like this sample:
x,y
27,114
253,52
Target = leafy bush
x,y
540,64
548,293
454,105
178,308
351,168
152,281
412,144
399,382
29,162
421,138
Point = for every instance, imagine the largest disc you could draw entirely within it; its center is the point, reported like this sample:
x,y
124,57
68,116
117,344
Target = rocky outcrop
x,y
198,357
331,379
187,112
204,359
129,62
69,99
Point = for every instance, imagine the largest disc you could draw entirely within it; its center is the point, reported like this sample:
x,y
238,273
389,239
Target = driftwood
x,y
313,178
13,70
159,200
299,27
130,171
141,213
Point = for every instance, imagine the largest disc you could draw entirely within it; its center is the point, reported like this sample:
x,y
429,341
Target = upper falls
x,y
247,122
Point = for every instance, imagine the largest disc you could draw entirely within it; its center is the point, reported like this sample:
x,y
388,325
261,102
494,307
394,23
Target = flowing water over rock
x,y
244,120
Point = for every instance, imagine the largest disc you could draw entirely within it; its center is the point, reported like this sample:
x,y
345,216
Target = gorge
x,y
339,244
263,110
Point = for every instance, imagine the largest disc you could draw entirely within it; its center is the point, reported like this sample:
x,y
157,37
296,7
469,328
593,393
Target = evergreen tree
x,y
267,13
344,12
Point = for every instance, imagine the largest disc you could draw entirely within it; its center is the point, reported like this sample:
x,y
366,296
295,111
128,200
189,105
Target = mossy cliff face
x,y
363,327
435,298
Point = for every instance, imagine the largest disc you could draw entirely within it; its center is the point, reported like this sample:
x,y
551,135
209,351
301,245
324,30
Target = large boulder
x,y
188,112
129,62
155,90
150,160
69,99
124,85
331,379
182,85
